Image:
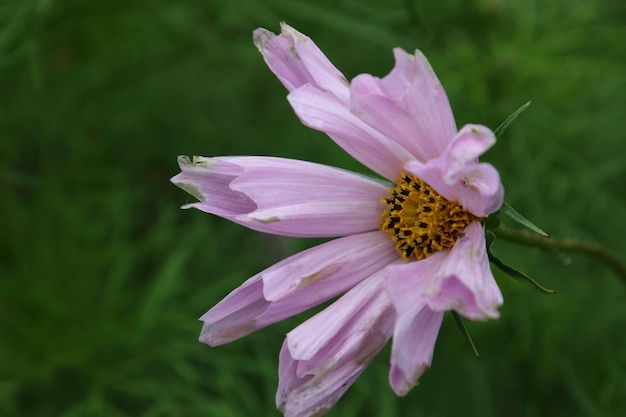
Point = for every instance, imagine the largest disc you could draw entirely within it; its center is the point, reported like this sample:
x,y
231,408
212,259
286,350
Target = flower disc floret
x,y
420,221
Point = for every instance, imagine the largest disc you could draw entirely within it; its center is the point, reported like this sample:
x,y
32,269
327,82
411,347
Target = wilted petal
x,y
413,347
409,105
322,357
296,284
208,180
458,176
295,59
417,326
236,315
322,111
452,279
283,196
456,279
465,282
330,268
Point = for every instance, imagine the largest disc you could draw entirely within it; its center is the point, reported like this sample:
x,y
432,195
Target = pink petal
x,y
322,357
283,196
296,60
330,268
465,282
413,348
296,284
409,105
236,315
322,111
458,176
208,180
457,279
417,326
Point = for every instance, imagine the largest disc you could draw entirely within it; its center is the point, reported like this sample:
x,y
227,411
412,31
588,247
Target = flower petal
x,y
409,105
457,175
416,327
208,180
455,279
330,268
452,279
295,59
322,357
322,111
296,284
465,282
283,196
413,348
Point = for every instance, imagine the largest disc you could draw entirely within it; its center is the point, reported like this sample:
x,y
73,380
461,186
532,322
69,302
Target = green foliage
x,y
102,277
510,211
511,272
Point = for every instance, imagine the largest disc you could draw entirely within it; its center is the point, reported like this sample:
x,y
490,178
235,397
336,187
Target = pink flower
x,y
404,253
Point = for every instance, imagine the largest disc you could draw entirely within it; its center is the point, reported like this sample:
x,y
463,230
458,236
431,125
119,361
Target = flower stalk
x,y
597,250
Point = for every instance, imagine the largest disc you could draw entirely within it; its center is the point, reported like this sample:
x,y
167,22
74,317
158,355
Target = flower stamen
x,y
421,221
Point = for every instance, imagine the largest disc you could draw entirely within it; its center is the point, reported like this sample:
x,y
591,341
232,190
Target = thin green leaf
x,y
512,272
512,213
466,335
500,130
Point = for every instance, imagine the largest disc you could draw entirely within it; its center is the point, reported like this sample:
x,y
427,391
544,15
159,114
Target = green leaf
x,y
512,272
466,335
500,129
510,211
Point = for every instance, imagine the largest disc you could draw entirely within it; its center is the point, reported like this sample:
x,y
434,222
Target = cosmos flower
x,y
404,253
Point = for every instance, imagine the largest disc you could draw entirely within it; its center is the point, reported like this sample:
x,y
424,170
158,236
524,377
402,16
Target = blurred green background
x,y
102,277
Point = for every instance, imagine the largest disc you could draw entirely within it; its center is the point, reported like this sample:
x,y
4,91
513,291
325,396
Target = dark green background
x,y
102,277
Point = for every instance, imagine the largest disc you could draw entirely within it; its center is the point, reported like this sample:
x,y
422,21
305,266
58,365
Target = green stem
x,y
527,238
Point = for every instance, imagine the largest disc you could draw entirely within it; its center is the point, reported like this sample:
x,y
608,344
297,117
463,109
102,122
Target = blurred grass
x,y
102,277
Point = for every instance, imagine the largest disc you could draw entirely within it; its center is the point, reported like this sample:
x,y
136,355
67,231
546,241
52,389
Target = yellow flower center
x,y
419,220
